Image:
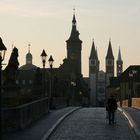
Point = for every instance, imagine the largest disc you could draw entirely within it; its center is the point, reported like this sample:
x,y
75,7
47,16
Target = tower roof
x,y
109,52
93,53
74,19
29,55
74,36
119,55
97,53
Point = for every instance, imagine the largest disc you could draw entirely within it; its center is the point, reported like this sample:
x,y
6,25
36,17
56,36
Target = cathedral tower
x,y
109,63
74,47
93,61
119,63
93,75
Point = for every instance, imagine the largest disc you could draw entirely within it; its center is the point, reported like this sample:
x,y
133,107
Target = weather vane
x,y
29,47
74,10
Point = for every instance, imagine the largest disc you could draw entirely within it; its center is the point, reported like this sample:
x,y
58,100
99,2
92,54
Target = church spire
x,y
109,64
97,53
93,53
74,47
74,19
119,55
74,36
109,52
119,63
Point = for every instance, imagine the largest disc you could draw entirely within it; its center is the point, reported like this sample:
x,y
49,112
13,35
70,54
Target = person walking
x,y
111,108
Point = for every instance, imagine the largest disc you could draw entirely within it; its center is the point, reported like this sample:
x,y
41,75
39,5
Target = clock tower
x,y
74,47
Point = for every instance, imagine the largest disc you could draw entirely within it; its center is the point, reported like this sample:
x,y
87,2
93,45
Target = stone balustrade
x,y
15,118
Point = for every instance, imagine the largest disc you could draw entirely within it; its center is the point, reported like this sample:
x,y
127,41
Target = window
x,y
93,62
119,66
23,82
30,82
109,62
119,71
101,90
17,82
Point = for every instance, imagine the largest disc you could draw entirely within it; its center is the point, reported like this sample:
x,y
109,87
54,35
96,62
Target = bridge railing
x,y
14,118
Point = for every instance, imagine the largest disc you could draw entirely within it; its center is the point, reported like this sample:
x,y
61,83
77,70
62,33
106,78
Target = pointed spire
x,y
74,19
97,53
74,32
93,53
109,52
29,47
119,55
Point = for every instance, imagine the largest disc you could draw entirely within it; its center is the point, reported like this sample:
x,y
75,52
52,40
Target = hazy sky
x,y
46,24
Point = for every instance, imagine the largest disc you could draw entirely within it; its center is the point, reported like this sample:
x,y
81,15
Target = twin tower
x,y
99,79
94,63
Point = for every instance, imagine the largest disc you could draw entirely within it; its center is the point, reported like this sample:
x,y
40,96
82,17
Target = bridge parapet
x,y
15,118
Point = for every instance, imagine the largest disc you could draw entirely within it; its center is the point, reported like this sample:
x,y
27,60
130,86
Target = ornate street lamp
x,y
73,84
2,56
51,60
43,56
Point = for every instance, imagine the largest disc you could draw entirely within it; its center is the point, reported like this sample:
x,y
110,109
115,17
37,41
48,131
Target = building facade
x,y
99,79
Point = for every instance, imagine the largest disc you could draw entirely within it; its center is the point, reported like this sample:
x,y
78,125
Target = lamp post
x,y
73,84
132,73
51,60
2,56
43,56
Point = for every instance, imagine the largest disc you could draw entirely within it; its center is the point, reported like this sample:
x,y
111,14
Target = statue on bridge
x,y
11,69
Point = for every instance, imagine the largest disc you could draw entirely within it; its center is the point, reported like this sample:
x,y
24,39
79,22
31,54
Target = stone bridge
x,y
77,123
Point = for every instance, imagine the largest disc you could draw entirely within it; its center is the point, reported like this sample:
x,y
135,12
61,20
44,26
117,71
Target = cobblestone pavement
x,y
37,129
135,114
91,124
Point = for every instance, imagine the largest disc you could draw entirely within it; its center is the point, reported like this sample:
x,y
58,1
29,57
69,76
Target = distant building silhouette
x,y
29,61
27,71
74,46
119,64
109,63
99,80
70,70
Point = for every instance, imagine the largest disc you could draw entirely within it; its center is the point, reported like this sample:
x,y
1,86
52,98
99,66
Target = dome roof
x,y
28,67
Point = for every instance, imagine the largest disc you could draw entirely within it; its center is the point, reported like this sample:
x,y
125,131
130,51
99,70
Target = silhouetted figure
x,y
11,69
111,107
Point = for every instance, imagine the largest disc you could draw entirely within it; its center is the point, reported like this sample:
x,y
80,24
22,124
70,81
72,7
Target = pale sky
x,y
46,24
